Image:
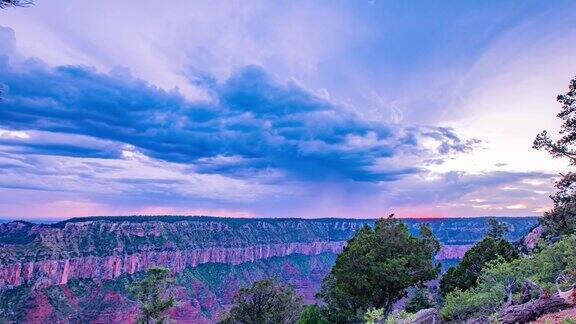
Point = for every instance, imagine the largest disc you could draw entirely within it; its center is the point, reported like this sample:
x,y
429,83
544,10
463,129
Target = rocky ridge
x,y
105,248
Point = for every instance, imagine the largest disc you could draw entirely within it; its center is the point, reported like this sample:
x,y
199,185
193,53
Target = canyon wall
x,y
41,255
78,270
44,273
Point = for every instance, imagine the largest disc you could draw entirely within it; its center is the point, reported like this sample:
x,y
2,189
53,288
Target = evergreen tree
x,y
311,315
464,275
265,302
418,301
151,293
496,229
376,267
562,218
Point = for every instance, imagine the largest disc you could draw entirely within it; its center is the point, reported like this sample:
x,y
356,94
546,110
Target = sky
x,y
281,108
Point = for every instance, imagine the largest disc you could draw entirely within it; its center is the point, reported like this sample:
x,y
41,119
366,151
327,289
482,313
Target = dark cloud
x,y
22,147
252,123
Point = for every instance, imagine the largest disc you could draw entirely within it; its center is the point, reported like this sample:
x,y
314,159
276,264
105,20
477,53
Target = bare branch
x,y
15,3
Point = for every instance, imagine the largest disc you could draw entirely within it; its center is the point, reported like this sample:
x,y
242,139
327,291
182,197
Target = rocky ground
x,y
558,318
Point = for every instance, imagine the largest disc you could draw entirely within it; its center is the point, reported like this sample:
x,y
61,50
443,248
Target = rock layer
x,y
102,248
45,273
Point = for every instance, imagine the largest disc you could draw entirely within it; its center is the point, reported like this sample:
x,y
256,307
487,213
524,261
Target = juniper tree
x,y
562,218
376,267
418,301
465,275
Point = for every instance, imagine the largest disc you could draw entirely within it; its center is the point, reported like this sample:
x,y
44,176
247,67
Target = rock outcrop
x,y
427,316
531,239
451,252
44,273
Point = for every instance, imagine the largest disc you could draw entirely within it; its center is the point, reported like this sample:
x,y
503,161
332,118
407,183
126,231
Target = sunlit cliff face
x,y
355,109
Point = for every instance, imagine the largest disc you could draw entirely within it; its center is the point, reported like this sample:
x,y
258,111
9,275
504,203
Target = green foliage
x,y
541,267
401,317
265,302
418,301
460,305
13,303
311,315
562,218
374,316
376,267
496,229
565,146
151,292
466,273
338,306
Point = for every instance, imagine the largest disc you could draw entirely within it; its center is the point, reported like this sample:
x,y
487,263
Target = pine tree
x,y
562,218
418,301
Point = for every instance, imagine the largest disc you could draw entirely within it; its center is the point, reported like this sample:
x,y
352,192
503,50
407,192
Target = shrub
x,y
541,267
460,305
151,294
374,316
418,301
266,301
311,315
465,275
401,317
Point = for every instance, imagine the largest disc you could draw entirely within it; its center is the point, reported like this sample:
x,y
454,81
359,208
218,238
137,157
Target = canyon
x,y
49,271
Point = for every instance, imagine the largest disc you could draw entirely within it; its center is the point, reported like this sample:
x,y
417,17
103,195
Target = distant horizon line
x,y
40,220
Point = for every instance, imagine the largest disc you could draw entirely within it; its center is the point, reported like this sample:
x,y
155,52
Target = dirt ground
x,y
558,317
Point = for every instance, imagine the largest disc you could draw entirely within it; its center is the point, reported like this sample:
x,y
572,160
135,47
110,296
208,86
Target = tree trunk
x,y
533,309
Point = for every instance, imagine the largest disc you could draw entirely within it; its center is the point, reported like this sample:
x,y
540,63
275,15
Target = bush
x,y
401,317
465,275
418,301
266,301
541,267
460,305
151,294
311,315
374,316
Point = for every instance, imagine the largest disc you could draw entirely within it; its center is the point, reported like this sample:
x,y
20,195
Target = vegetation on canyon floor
x,y
151,295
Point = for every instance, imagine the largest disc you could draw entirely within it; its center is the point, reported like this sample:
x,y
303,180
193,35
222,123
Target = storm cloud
x,y
250,123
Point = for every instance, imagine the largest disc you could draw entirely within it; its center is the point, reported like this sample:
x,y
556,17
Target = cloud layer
x,y
251,124
286,109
